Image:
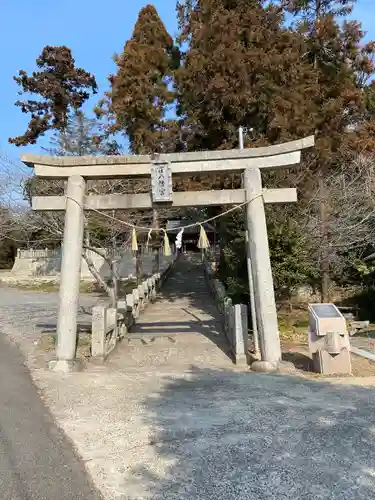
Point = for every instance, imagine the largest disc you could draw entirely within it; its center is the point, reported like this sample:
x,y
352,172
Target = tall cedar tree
x,y
59,87
141,90
343,65
242,67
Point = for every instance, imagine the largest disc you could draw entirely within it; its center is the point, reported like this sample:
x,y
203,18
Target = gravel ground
x,y
22,311
211,434
176,421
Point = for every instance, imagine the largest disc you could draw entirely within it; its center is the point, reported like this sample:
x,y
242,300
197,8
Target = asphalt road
x,y
37,461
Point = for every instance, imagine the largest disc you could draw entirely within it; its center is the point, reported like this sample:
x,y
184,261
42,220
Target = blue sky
x,y
94,30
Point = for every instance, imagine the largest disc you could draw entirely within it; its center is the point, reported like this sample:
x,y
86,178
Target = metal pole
x,y
240,137
250,273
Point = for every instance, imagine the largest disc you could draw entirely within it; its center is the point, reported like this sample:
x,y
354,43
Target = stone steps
x,y
183,328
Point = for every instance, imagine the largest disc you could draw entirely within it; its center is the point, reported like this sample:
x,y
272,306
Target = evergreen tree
x,y
77,139
343,65
82,136
242,67
312,9
59,87
141,90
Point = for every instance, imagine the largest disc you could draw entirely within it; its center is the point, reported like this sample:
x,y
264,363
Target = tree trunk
x,y
138,266
156,245
110,290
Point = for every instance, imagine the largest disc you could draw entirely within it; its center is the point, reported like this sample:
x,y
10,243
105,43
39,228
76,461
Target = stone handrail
x,y
110,325
235,317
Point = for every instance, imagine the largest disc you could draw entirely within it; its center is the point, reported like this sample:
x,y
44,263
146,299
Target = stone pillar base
x,y
264,366
97,360
273,367
241,361
65,366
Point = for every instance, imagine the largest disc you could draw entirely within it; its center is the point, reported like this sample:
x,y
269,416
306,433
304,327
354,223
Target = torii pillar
x,y
264,295
70,277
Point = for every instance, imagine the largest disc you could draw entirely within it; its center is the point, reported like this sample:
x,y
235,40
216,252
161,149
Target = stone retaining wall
x,y
46,262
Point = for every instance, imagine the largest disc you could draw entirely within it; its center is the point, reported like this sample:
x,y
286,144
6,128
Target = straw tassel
x,y
167,246
203,240
134,241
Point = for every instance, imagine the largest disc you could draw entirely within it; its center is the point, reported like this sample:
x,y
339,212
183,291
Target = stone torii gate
x,y
248,161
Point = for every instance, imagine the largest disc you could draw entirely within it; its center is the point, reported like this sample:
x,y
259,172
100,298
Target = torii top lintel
x,y
91,167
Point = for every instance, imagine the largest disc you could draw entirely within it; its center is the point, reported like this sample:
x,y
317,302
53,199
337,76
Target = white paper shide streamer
x,y
178,241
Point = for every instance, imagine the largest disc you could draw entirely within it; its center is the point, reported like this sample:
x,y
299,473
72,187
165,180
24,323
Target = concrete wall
x,y
33,263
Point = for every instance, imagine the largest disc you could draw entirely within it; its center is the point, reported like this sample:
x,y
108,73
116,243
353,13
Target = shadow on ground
x,y
300,361
233,436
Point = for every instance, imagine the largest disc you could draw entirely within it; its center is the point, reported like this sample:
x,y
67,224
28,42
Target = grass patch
x,y
301,323
50,286
47,343
85,287
41,286
124,287
293,326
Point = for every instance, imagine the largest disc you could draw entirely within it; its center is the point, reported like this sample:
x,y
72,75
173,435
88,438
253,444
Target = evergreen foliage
x,y
59,87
